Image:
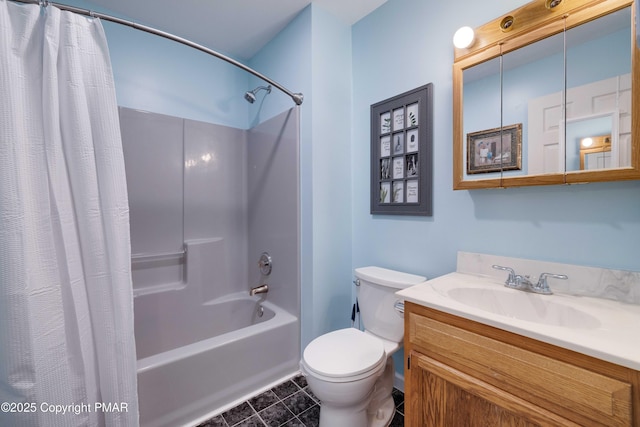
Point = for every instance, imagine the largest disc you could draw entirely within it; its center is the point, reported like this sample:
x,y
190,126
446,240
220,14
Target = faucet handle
x,y
512,280
265,264
542,286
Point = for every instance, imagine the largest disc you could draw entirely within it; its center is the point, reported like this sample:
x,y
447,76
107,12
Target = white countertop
x,y
616,339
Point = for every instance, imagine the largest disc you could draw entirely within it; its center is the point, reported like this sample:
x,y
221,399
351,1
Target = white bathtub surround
x,y
598,327
66,306
203,342
198,350
619,285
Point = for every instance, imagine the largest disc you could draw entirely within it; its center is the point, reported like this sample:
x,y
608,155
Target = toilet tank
x,y
376,297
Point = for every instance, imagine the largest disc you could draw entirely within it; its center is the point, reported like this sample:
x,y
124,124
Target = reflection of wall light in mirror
x,y
463,38
587,142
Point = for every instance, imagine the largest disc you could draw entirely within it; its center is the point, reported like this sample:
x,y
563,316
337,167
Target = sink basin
x,y
525,306
600,328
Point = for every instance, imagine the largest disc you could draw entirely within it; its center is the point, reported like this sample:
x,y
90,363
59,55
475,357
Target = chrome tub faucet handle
x,y
259,290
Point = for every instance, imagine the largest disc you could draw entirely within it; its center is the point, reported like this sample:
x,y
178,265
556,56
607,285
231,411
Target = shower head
x,y
250,96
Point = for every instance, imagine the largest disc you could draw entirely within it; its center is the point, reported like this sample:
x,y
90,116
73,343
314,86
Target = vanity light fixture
x,y
463,38
586,142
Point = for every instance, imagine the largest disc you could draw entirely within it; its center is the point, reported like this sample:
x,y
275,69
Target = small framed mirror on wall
x,y
565,74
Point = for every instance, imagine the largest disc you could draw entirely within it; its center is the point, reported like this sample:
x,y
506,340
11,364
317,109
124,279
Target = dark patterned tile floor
x,y
290,404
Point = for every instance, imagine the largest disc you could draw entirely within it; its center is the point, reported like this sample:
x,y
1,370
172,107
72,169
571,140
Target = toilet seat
x,y
344,355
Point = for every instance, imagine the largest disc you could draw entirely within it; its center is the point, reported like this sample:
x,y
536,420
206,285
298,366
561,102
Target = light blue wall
x,y
332,167
162,76
407,43
287,60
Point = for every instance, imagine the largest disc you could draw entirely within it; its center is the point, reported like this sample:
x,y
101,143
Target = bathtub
x,y
192,362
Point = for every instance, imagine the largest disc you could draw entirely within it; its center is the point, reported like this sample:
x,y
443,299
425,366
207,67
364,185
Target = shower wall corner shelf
x,y
160,256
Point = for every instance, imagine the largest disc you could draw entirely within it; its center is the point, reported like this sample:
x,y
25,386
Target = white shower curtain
x,y
66,304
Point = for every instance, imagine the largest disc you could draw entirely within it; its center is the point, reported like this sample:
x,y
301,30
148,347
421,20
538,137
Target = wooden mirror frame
x,y
530,23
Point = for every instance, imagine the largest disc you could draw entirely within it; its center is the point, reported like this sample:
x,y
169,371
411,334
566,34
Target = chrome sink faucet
x,y
517,281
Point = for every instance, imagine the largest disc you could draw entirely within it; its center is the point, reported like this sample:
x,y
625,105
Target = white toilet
x,y
351,371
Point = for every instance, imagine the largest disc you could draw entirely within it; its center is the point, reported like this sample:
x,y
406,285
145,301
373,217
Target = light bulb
x,y
587,142
463,38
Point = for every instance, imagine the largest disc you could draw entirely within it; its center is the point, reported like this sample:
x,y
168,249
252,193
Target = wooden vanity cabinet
x,y
463,373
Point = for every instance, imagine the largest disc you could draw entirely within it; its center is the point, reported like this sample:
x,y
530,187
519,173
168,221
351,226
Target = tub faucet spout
x,y
259,290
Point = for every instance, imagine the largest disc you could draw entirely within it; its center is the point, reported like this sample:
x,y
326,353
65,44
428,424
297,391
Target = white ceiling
x,y
239,28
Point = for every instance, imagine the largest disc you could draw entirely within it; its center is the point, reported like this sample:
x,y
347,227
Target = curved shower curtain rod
x,y
296,97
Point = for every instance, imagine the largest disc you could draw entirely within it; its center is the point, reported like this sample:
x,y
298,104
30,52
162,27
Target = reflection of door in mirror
x,y
545,118
531,72
592,109
598,84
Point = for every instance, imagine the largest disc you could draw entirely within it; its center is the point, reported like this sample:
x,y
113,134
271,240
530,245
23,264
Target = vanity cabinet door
x,y
464,373
452,398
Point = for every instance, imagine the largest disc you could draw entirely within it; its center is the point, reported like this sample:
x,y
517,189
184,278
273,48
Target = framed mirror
x,y
561,72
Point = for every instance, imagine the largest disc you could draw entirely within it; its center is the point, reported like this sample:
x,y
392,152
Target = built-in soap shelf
x,y
156,272
200,264
160,256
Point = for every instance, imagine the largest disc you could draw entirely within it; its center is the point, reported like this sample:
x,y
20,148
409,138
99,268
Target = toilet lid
x,y
343,353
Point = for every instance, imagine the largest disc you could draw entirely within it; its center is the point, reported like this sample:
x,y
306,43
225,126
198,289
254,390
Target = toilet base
x,y
383,416
376,410
382,406
332,416
358,417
